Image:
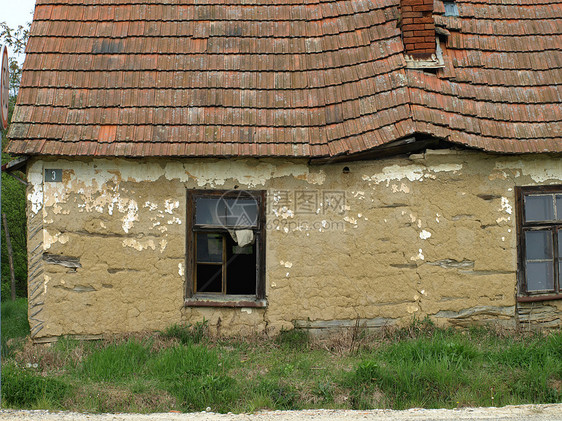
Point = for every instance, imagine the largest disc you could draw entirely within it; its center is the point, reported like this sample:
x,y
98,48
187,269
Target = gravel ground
x,y
512,413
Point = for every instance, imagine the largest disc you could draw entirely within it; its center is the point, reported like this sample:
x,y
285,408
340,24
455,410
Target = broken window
x,y
225,247
540,241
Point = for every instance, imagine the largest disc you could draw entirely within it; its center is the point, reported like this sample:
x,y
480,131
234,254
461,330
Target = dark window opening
x,y
540,241
225,244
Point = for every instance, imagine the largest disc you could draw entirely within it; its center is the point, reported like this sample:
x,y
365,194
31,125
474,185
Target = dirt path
x,y
511,413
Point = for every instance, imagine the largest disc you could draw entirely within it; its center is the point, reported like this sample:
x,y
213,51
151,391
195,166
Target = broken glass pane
x,y
209,247
540,276
539,208
538,245
209,278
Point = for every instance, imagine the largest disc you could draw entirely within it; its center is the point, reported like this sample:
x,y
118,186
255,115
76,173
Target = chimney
x,y
418,28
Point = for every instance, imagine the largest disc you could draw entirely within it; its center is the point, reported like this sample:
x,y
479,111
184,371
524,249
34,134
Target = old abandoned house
x,y
264,164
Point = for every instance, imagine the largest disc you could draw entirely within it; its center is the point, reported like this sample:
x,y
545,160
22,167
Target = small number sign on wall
x,y
54,176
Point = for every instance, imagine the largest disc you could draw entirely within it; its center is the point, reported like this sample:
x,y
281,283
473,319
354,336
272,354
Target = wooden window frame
x,y
520,192
194,299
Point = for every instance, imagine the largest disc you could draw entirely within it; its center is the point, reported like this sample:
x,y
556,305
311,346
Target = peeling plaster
x,y
419,256
181,270
540,170
49,240
410,172
131,216
506,207
170,205
424,235
139,245
216,173
35,179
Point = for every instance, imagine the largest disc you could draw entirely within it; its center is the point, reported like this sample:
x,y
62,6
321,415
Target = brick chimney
x,y
418,28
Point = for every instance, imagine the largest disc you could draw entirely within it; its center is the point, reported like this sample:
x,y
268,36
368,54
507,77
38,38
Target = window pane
x,y
540,276
209,211
209,247
539,208
559,207
538,245
231,212
559,243
209,278
241,212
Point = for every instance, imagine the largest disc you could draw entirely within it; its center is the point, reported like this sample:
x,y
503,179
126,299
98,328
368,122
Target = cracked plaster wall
x,y
429,235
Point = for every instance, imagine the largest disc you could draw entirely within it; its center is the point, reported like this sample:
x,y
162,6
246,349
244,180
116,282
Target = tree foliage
x,y
16,40
13,192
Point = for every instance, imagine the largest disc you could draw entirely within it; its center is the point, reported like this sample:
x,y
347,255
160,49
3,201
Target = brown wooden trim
x,y
260,263
521,281
189,247
522,227
535,298
194,302
191,228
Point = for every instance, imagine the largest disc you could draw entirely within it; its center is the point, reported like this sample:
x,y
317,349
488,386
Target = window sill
x,y
243,301
535,298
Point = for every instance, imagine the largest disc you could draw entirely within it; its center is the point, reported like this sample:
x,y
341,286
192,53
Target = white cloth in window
x,y
242,237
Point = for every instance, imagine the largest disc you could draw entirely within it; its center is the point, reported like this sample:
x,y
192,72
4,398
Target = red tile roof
x,y
308,78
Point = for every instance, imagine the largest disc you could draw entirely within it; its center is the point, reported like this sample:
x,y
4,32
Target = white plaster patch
x,y
151,206
47,279
35,195
424,235
174,220
163,244
49,240
410,172
540,170
412,308
359,194
246,310
170,205
139,245
249,172
506,206
131,216
181,270
286,264
419,256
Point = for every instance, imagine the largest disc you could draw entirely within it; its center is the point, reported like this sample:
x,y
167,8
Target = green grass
x,y
185,369
14,324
